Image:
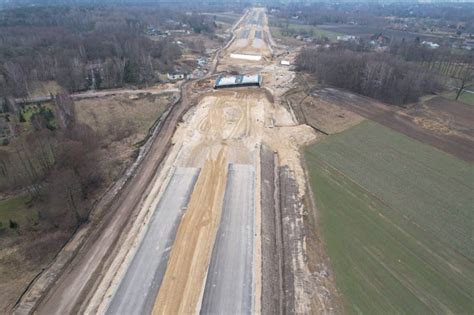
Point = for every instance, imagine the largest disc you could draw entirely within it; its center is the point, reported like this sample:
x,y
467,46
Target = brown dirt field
x,y
182,286
321,114
45,88
209,43
122,121
456,117
285,40
224,118
22,258
444,124
140,113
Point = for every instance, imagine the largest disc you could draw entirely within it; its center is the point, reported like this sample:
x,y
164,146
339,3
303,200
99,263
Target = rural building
x,y
468,44
176,76
202,61
246,57
430,45
379,40
346,38
238,80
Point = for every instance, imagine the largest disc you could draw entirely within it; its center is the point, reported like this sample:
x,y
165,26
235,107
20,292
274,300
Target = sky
x,y
27,2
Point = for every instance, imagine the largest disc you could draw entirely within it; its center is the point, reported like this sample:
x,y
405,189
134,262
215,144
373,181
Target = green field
x,y
306,30
396,217
16,209
227,18
466,97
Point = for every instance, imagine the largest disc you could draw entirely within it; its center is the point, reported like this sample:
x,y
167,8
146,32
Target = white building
x,y
238,80
346,38
430,45
176,76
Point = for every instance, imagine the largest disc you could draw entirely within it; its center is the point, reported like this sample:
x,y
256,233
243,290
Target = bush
x,y
13,225
22,117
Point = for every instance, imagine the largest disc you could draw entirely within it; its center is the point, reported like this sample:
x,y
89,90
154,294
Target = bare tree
x,y
466,77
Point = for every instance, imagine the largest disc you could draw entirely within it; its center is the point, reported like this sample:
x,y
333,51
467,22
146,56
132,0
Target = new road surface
x,y
229,284
138,289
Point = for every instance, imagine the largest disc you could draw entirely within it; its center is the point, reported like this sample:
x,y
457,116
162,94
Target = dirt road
x,y
158,90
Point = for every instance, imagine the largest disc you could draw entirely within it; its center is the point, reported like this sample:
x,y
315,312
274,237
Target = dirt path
x,y
156,90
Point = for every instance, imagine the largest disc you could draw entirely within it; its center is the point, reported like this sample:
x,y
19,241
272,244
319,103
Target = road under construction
x,y
211,220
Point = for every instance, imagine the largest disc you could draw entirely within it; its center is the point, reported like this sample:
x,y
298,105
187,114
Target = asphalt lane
x,y
229,286
138,289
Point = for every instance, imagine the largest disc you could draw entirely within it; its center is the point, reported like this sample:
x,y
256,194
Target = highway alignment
x,y
137,292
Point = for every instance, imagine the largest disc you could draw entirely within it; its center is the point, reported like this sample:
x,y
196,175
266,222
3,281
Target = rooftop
x,y
227,81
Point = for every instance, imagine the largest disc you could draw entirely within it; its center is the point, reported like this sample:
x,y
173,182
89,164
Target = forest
x,y
440,15
372,74
83,48
399,75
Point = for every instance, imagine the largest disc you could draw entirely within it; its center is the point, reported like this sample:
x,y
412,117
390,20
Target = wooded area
x,y
58,168
440,15
88,47
378,75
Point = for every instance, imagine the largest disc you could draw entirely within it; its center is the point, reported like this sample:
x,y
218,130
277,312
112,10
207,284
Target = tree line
x,y
443,15
453,68
457,65
378,75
